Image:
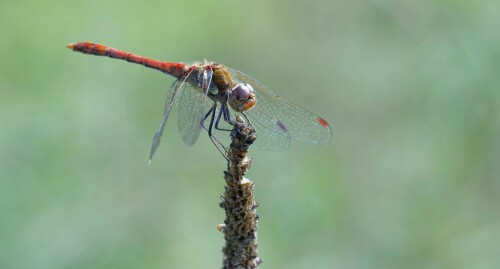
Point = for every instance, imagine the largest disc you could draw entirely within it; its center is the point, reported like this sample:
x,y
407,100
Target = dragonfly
x,y
210,96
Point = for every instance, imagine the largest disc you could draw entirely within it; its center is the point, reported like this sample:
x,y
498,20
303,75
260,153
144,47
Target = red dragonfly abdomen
x,y
174,69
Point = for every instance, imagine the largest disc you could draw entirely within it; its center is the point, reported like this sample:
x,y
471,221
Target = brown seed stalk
x,y
240,225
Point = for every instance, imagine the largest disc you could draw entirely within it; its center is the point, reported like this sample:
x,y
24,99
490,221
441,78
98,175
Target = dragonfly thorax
x,y
239,96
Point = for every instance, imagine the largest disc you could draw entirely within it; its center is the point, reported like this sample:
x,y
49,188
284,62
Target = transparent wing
x,y
171,97
266,139
281,118
192,107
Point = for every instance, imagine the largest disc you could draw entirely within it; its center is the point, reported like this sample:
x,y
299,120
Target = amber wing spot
x,y
323,122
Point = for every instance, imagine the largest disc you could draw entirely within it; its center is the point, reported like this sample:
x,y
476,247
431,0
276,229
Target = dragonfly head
x,y
241,97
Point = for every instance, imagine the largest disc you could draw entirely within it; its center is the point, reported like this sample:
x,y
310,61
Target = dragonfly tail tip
x,y
70,46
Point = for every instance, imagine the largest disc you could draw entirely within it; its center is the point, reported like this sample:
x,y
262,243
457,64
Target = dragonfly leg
x,y
218,120
227,115
214,140
248,120
214,109
202,122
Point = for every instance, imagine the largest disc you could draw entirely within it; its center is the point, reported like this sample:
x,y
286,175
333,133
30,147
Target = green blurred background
x,y
410,179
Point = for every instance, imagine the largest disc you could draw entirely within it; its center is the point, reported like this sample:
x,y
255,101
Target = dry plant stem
x,y
240,229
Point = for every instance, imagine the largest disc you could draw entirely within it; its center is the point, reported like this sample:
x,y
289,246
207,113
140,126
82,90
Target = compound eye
x,y
242,97
242,91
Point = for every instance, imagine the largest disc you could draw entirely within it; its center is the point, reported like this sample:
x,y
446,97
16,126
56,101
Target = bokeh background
x,y
410,179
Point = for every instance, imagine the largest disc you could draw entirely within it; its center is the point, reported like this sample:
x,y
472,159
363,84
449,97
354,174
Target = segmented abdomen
x,y
172,68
